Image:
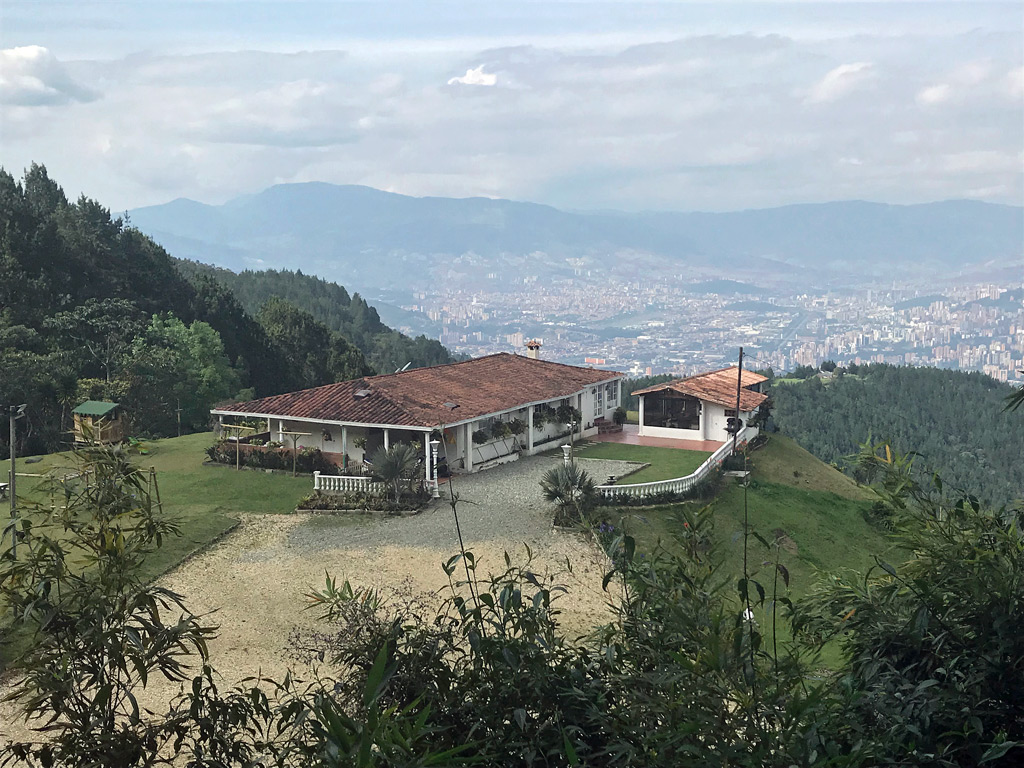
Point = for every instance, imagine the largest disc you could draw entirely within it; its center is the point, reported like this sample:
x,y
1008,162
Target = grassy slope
x,y
818,508
666,463
206,501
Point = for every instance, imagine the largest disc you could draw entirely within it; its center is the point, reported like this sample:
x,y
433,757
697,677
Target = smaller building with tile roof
x,y
699,407
483,411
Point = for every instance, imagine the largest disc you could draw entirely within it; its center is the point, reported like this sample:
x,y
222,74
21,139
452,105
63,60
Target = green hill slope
x,y
817,511
92,309
386,349
817,514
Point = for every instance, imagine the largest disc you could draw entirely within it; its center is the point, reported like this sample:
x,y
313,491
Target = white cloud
x,y
31,76
840,81
934,94
475,77
1013,84
704,122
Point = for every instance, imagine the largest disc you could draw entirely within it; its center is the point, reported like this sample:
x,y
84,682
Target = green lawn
x,y
666,463
206,501
818,510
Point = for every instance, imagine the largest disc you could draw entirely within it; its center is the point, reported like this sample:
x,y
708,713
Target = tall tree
x,y
315,354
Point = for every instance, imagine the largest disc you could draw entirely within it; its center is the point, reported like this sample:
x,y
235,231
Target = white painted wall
x,y
675,434
716,422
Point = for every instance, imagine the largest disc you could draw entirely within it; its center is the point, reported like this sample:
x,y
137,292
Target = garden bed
x,y
321,503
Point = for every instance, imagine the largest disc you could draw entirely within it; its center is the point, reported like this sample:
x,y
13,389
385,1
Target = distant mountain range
x,y
372,239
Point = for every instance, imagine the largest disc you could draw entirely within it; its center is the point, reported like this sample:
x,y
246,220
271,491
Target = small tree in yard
x,y
396,467
572,490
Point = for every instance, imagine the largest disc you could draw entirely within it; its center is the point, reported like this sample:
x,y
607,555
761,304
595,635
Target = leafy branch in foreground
x,y
936,657
97,633
98,636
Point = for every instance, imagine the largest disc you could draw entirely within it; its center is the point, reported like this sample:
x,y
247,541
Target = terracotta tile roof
x,y
416,398
716,387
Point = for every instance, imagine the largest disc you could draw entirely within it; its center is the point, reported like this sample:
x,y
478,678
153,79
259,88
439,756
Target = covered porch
x,y
630,435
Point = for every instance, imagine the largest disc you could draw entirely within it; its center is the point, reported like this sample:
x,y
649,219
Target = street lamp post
x,y
567,454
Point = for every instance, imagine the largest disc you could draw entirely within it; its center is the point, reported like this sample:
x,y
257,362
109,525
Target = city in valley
x,y
669,325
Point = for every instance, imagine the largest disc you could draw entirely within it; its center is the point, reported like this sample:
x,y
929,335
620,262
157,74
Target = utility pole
x,y
739,389
16,412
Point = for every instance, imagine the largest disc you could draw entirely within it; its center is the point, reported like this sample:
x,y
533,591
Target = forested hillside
x,y
955,420
386,349
91,308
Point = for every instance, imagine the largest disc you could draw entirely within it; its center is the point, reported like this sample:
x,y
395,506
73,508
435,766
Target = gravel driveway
x,y
500,505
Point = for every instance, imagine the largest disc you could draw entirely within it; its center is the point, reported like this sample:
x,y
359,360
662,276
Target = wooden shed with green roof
x,y
98,421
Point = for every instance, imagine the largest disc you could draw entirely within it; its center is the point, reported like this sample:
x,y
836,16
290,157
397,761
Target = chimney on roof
x,y
533,349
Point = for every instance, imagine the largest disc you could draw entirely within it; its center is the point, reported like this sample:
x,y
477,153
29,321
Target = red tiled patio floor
x,y
629,435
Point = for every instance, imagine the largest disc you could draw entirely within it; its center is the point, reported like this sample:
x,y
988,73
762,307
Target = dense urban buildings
x,y
668,325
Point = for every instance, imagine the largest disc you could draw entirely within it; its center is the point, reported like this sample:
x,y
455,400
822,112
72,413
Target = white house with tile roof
x,y
351,419
699,407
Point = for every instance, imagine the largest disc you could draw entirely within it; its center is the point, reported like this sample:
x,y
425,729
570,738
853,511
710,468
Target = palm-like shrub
x,y
571,489
396,467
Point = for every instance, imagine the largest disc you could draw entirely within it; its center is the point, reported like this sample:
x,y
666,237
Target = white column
x,y
529,430
469,447
387,439
344,440
433,445
426,457
641,416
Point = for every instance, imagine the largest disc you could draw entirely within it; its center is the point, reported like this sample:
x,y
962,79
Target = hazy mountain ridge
x,y
371,238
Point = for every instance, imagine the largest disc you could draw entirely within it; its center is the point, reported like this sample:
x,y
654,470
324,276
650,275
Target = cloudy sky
x,y
584,105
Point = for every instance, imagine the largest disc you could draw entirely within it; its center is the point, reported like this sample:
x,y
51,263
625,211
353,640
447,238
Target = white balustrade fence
x,y
345,484
677,484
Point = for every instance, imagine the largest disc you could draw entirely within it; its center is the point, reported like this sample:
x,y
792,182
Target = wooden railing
x,y
345,484
677,484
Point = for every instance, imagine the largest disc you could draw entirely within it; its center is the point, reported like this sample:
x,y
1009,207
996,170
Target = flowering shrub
x,y
308,460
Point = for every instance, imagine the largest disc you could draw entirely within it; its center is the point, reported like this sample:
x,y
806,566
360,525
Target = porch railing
x,y
676,484
345,484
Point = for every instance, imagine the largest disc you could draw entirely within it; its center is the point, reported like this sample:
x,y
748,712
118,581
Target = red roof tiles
x,y
716,387
417,398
